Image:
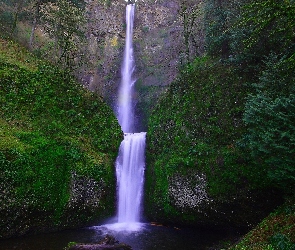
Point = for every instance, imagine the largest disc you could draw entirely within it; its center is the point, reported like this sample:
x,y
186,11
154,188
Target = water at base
x,y
148,237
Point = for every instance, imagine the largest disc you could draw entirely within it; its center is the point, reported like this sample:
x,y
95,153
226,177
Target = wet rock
x,y
192,205
109,242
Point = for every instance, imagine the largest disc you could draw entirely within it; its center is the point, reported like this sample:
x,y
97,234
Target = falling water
x,y
130,173
130,163
125,107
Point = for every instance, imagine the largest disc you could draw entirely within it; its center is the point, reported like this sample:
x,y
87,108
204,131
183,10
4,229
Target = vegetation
x,y
54,133
54,30
192,13
229,116
269,111
64,23
201,131
277,231
230,113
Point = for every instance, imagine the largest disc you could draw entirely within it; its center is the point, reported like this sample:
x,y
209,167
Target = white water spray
x,y
130,163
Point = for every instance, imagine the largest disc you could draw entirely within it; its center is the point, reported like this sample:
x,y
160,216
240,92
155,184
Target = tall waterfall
x,y
125,105
130,162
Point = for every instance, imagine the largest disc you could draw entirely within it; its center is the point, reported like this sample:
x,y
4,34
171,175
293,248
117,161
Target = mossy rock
x,y
197,171
57,149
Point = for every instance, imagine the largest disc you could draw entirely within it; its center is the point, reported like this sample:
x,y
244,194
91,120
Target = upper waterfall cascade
x,y
125,105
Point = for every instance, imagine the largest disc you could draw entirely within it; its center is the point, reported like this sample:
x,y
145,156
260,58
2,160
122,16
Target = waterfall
x,y
130,162
125,107
130,173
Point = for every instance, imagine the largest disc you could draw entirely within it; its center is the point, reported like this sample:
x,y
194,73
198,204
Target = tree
x,y
10,11
270,118
220,17
64,23
191,12
37,5
270,26
216,25
18,7
270,109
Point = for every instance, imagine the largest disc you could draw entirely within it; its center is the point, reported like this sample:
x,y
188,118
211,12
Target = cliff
x,y
58,144
159,49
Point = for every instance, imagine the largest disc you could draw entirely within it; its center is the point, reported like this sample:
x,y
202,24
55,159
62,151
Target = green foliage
x,y
201,118
275,232
230,117
51,128
64,22
261,29
39,174
192,13
79,3
7,19
215,36
272,25
281,242
71,244
269,110
54,30
146,100
269,115
220,38
260,35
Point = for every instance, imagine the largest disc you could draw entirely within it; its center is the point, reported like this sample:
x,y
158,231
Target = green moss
x,y
51,128
14,54
196,127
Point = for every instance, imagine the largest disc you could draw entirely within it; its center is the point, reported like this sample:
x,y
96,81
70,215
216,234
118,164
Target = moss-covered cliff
x,y
167,33
196,170
220,142
58,143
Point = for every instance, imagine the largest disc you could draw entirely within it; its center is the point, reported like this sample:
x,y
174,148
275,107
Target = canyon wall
x,y
159,48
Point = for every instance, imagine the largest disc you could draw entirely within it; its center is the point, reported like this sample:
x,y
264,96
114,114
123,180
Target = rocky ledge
x,y
109,242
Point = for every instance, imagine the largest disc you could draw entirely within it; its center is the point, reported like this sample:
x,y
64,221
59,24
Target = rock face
x,y
188,191
188,195
158,48
187,202
109,242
